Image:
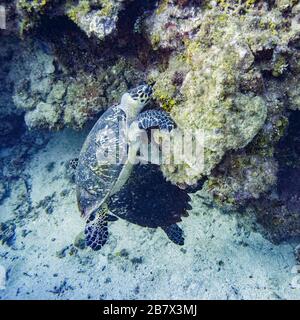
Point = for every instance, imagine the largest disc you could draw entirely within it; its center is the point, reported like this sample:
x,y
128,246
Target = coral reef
x,y
171,23
51,98
228,86
98,18
228,69
236,77
218,61
279,209
231,185
54,88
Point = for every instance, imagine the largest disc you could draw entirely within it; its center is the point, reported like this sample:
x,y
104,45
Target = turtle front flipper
x,y
174,233
96,229
155,119
152,119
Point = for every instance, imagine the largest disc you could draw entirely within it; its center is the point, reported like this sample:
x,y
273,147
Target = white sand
x,y
220,259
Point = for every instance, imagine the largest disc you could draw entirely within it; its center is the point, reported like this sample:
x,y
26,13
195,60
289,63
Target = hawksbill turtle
x,y
108,155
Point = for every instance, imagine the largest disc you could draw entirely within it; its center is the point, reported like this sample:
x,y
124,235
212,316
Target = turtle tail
x,y
96,229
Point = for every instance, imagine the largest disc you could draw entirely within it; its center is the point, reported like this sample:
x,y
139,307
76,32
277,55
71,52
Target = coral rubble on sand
x,y
229,68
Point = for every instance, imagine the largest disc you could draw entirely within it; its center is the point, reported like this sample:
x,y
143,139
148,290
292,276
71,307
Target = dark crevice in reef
x,y
73,48
264,55
12,124
132,43
288,154
11,129
279,211
127,20
78,52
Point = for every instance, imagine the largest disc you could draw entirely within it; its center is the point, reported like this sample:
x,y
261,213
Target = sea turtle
x,y
107,157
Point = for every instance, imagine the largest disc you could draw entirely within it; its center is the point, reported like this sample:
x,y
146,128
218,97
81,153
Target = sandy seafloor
x,y
221,259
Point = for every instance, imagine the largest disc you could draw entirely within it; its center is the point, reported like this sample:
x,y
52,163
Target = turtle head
x,y
141,94
135,99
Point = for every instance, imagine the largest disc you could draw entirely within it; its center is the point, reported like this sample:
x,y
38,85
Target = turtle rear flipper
x,y
174,233
96,229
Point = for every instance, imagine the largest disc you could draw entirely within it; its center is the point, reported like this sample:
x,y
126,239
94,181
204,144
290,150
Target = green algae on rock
x,y
224,89
97,18
209,98
51,98
92,16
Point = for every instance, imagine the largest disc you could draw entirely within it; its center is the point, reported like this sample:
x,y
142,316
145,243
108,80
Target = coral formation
x,y
216,61
98,18
227,68
51,98
226,88
170,24
278,210
238,77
